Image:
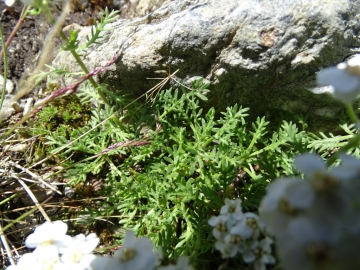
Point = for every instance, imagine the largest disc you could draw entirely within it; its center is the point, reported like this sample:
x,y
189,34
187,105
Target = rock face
x,y
262,54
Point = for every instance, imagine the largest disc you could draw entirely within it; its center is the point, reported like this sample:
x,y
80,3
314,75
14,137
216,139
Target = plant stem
x,y
80,63
352,114
353,142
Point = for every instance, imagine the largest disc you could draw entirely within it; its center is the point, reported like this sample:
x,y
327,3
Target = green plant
x,y
168,189
165,168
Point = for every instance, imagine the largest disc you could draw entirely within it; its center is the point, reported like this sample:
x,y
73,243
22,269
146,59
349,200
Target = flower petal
x,y
309,164
340,79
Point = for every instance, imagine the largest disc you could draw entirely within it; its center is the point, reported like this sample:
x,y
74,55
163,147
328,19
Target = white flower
x,y
43,258
310,164
259,253
311,229
232,209
182,264
135,254
77,255
27,261
353,65
49,233
307,244
349,168
230,246
286,198
9,2
344,79
99,263
47,258
316,172
248,253
247,227
25,2
220,226
332,196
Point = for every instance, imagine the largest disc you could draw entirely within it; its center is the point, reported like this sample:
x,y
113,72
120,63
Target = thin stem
x,y
352,114
75,54
353,142
81,64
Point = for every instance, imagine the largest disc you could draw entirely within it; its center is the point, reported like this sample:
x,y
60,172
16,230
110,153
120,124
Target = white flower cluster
x,y
316,221
344,79
238,232
54,250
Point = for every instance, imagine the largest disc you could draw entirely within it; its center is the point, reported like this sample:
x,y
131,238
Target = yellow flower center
x,y
127,255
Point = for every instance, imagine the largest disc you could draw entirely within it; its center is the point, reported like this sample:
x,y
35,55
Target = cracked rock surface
x,y
259,54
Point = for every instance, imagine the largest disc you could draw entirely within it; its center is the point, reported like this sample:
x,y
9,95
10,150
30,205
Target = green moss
x,y
61,117
62,112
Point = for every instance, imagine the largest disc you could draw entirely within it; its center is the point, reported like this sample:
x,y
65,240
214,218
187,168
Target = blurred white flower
x,y
308,245
135,254
48,258
9,2
330,186
99,263
78,254
49,233
310,164
43,258
349,168
344,79
353,65
25,2
286,198
27,261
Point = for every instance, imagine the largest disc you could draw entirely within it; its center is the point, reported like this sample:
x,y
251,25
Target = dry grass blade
x,y
35,176
27,84
156,89
32,196
6,246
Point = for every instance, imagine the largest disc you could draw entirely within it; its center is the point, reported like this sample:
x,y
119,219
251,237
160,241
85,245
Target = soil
x,y
27,43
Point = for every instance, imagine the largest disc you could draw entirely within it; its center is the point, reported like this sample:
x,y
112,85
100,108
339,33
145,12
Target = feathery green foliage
x,y
169,188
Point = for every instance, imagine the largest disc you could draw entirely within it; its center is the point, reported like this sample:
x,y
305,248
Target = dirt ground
x,y
28,41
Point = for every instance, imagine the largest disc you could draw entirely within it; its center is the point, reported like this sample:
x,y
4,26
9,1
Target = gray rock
x,y
9,87
262,54
10,107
